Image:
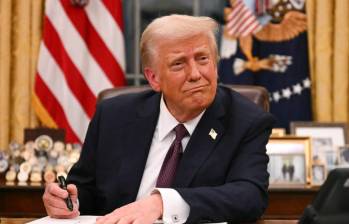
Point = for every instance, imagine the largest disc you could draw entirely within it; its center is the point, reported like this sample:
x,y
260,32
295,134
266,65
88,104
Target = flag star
x,y
297,89
286,93
276,96
306,83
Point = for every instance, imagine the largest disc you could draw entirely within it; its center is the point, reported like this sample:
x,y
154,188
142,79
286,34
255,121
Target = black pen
x,y
63,185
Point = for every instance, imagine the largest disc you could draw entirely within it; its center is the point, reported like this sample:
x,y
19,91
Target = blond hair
x,y
175,27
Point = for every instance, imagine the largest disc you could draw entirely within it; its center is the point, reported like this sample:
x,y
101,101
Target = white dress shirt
x,y
175,209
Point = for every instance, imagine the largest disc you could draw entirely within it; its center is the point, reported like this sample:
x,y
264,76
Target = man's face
x,y
185,72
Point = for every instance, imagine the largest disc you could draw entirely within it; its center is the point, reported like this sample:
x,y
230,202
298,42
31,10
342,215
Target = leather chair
x,y
257,94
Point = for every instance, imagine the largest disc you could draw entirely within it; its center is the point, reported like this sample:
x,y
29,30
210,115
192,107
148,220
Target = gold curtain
x,y
20,34
328,23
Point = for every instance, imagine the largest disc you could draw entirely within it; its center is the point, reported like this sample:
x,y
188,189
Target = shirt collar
x,y
167,122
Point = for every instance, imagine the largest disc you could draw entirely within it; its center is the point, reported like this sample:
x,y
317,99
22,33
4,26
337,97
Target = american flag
x,y
241,21
81,53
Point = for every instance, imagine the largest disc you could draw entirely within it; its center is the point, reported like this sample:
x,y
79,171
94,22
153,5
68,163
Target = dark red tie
x,y
168,169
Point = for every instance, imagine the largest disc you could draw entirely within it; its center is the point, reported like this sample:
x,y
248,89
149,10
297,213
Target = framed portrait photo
x,y
327,138
318,174
343,156
288,161
278,132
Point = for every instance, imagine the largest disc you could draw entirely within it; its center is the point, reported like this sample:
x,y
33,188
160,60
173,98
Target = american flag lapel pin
x,y
212,134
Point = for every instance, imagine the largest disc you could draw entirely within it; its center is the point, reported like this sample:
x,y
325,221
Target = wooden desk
x,y
289,203
26,201
25,220
15,220
21,201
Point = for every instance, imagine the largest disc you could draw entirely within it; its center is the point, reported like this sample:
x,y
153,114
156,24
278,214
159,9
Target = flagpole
x,y
196,7
137,27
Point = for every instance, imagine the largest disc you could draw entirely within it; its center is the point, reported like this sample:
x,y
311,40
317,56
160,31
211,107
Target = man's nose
x,y
194,73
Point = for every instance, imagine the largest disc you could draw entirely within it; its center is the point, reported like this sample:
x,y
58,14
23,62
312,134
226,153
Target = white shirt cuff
x,y
175,209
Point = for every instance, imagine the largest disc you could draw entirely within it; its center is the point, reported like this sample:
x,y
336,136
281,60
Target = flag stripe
x,y
73,77
115,9
239,11
248,20
254,27
104,25
234,15
93,41
241,21
240,18
236,22
248,24
237,7
81,54
77,49
56,82
49,101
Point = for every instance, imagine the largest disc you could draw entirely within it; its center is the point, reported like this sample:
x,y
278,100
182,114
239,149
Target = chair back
x,y
257,94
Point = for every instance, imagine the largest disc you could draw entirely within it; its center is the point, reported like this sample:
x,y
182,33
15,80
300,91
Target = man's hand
x,y
54,201
144,211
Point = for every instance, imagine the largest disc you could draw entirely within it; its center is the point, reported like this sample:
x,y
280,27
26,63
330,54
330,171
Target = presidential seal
x,y
44,143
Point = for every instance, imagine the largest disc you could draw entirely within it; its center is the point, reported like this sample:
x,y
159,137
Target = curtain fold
x,y
340,61
328,25
5,70
20,33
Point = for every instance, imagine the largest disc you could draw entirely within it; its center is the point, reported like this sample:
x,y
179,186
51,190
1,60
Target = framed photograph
x,y
327,138
278,132
343,156
289,161
319,174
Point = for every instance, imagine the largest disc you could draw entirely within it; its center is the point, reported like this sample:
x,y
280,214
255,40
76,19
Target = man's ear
x,y
152,78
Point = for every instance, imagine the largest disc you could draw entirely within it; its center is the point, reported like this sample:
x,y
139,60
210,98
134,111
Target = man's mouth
x,y
196,88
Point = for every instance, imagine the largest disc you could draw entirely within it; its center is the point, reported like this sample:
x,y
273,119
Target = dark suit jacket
x,y
222,179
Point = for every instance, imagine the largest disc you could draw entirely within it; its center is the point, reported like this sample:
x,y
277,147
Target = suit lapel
x,y
201,143
137,138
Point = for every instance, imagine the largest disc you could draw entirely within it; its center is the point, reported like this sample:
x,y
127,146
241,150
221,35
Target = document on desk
x,y
86,219
83,219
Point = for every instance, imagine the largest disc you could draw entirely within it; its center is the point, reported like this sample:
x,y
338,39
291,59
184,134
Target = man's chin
x,y
199,104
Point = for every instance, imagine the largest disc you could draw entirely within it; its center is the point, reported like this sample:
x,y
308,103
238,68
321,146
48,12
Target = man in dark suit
x,y
185,152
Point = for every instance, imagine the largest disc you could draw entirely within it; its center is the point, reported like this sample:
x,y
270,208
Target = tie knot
x,y
181,132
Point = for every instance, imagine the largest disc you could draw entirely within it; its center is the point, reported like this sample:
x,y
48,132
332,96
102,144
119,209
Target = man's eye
x,y
203,59
177,65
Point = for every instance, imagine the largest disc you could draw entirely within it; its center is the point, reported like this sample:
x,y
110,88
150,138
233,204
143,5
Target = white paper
x,y
80,219
85,219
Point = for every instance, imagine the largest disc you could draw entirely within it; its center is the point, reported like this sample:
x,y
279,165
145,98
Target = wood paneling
x,y
26,201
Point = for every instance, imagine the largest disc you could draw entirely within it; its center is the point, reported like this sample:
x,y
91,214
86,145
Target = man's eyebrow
x,y
178,55
203,49
175,56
